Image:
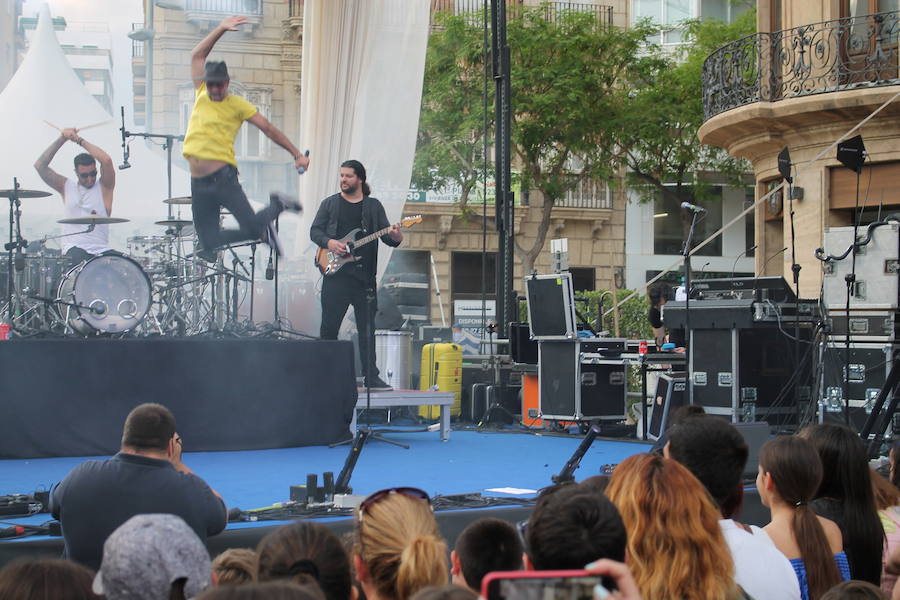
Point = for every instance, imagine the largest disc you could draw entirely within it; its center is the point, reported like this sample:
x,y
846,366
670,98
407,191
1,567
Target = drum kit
x,y
157,288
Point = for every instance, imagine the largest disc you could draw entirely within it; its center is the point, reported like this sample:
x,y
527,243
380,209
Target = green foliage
x,y
633,322
665,111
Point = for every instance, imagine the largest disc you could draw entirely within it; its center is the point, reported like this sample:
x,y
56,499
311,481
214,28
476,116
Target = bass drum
x,y
107,294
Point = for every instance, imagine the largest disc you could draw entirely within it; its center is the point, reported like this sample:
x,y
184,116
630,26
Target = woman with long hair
x,y
845,497
398,548
676,549
789,476
302,551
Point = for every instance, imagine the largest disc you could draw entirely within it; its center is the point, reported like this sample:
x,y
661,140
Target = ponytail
x,y
422,563
821,571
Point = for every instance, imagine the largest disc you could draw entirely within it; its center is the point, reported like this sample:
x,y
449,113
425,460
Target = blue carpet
x,y
469,462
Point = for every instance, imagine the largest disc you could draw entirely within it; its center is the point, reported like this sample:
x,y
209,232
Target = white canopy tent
x,y
46,88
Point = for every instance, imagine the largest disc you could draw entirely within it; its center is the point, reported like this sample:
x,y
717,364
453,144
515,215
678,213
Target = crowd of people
x,y
661,527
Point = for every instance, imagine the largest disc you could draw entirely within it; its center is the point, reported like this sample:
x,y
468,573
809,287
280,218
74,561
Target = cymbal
x,y
178,200
177,223
92,220
20,193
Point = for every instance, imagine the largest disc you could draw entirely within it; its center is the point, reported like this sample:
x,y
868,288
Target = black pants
x,y
339,291
221,189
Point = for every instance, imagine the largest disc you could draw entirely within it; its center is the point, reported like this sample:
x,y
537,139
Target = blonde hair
x,y
675,545
398,540
235,566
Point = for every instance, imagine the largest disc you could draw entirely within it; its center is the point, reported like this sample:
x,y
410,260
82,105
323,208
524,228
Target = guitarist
x,y
338,215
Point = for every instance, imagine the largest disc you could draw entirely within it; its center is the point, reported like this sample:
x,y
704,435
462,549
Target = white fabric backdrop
x,y
363,63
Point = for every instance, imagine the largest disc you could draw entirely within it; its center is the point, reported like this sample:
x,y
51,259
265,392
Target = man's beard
x,y
348,188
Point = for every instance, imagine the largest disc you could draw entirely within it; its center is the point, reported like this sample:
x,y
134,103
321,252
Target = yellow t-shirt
x,y
214,125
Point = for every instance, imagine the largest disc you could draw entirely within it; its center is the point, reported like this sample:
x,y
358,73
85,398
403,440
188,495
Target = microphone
x,y
9,532
125,151
270,269
737,258
702,269
20,260
302,170
693,207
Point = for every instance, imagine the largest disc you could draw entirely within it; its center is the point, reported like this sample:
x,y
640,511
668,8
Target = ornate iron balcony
x,y
843,54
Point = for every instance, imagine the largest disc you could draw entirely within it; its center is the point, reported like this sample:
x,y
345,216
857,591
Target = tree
x,y
449,148
568,76
659,145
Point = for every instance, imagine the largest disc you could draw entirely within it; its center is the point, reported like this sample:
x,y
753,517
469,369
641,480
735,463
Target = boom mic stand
x,y
686,252
784,167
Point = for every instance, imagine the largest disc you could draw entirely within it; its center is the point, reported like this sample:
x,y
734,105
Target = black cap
x,y
215,71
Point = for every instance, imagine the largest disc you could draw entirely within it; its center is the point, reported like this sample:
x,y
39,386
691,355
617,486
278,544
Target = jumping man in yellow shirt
x,y
209,149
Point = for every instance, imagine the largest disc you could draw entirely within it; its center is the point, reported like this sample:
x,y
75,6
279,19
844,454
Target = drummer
x,y
82,197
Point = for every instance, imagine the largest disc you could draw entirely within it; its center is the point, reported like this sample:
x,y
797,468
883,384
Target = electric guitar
x,y
329,262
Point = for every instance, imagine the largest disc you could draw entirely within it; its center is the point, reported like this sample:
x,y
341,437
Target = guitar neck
x,y
372,236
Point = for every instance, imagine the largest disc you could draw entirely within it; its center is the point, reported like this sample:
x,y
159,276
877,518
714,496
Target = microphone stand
x,y
795,270
686,252
167,145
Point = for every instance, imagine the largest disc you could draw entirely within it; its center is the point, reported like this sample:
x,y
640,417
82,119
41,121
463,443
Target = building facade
x,y
812,73
10,39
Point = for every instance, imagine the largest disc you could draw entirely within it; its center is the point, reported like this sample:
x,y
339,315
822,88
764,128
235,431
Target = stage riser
x,y
71,397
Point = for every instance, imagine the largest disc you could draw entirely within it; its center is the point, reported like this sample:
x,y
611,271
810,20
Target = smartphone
x,y
542,585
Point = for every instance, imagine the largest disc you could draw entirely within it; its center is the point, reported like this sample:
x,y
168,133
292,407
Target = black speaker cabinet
x,y
522,348
669,396
574,390
551,306
749,374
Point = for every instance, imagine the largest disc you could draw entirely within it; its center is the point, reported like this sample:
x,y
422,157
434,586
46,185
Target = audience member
x,y
570,526
845,497
484,546
153,557
716,453
887,500
398,549
445,592
854,590
789,475
678,415
46,579
146,476
675,545
269,590
302,550
235,566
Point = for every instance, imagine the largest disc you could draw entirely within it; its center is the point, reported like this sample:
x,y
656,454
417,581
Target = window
x,y
722,10
465,274
671,224
668,14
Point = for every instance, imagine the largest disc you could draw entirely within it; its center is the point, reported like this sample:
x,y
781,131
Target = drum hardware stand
x,y
167,145
15,245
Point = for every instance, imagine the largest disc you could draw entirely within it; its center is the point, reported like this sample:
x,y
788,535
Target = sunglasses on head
x,y
88,174
380,495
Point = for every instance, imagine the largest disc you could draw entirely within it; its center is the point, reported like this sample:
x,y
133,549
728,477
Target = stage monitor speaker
x,y
551,306
668,398
522,348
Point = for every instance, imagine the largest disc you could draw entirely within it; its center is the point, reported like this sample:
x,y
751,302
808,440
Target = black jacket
x,y
324,226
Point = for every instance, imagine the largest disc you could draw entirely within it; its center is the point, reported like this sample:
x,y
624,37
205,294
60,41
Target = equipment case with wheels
x,y
441,369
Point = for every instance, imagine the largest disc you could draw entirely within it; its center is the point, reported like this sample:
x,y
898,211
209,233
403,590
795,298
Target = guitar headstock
x,y
410,221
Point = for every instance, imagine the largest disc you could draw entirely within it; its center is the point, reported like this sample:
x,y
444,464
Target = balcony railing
x,y
587,194
225,7
843,54
603,14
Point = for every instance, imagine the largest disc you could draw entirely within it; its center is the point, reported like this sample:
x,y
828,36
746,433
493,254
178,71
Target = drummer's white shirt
x,y
80,201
